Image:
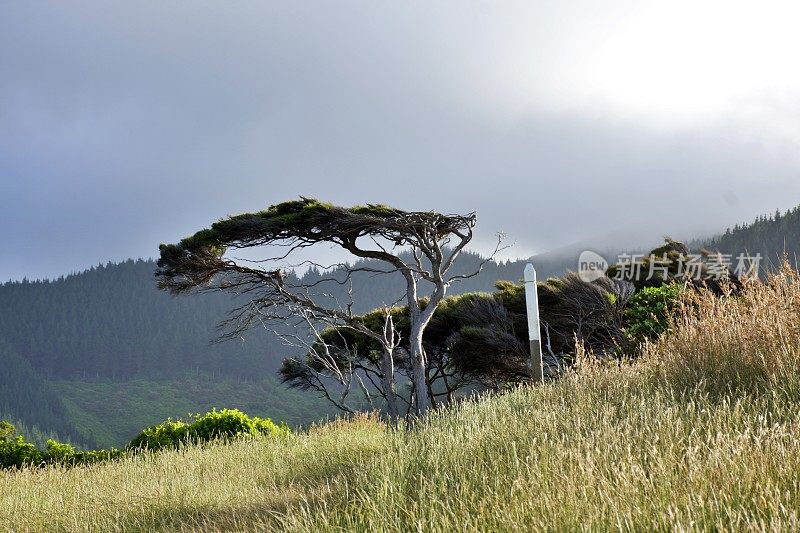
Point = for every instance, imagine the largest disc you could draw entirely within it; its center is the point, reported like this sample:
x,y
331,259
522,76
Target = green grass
x,y
609,449
110,413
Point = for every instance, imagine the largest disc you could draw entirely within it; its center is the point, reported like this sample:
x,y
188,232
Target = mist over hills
x,y
96,356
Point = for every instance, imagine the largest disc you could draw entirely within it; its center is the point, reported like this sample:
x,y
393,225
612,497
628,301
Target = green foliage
x,y
16,452
168,434
376,210
60,451
647,314
225,424
310,217
302,215
6,429
228,424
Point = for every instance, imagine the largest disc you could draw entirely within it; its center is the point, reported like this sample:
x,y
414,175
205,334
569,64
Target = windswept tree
x,y
475,341
420,246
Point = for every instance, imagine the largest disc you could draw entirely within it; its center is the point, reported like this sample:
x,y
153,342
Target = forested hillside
x,y
112,322
769,236
26,396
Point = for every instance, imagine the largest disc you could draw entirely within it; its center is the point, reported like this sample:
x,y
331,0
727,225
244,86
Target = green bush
x,y
648,311
226,424
60,451
168,434
16,452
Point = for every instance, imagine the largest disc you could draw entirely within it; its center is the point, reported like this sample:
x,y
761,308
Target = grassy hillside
x,y
700,434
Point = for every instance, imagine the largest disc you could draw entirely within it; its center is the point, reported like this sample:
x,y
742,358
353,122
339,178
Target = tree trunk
x,y
421,399
387,375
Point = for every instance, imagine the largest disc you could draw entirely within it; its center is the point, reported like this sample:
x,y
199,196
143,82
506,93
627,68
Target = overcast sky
x,y
123,126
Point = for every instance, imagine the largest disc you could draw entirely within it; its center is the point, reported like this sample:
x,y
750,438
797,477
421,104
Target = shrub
x,y
225,424
168,434
266,426
16,452
60,451
648,312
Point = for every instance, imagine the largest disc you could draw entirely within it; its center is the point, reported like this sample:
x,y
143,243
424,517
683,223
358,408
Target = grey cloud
x,y
122,127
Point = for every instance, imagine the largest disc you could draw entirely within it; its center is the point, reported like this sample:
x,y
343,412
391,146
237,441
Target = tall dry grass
x,y
702,434
742,342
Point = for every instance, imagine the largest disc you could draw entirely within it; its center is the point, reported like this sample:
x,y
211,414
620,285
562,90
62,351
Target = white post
x,y
532,301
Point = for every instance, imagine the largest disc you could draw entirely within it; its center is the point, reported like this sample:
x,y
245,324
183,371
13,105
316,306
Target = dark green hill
x,y
112,322
770,236
25,396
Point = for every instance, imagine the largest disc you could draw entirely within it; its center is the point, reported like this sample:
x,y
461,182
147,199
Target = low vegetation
x,y
699,433
224,426
648,312
112,413
16,452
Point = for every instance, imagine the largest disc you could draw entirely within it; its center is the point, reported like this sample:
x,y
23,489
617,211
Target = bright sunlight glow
x,y
684,60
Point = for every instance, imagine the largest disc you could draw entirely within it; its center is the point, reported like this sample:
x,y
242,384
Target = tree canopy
x,y
195,260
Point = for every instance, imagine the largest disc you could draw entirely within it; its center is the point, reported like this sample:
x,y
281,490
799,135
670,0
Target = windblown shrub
x,y
225,424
